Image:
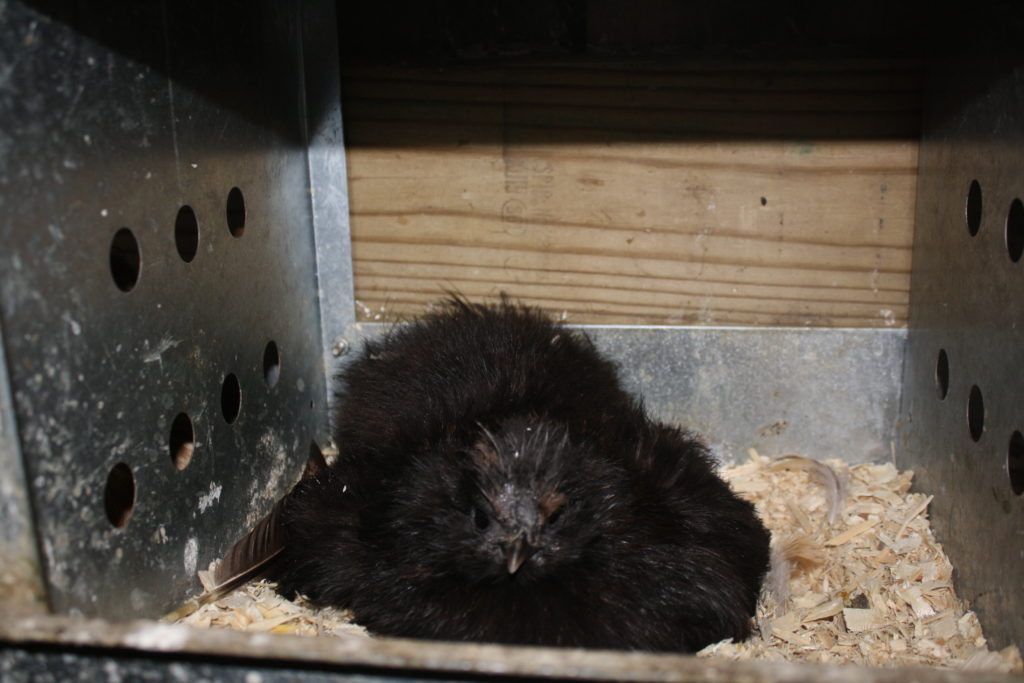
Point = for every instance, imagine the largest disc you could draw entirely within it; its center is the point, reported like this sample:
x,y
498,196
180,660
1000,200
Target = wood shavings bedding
x,y
257,607
869,587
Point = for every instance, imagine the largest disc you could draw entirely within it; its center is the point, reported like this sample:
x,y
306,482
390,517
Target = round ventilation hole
x,y
1015,462
1015,230
183,441
975,413
125,259
186,233
230,398
271,364
119,494
942,374
236,212
972,209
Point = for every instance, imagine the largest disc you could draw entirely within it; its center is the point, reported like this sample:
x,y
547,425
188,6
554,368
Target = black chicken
x,y
497,484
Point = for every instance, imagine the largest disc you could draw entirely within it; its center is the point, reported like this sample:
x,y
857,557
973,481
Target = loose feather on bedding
x,y
834,485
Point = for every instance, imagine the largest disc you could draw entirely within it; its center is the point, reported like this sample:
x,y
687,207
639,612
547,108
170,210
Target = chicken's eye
x,y
555,515
480,518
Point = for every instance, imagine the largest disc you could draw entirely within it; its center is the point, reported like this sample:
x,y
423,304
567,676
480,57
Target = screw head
x,y
340,347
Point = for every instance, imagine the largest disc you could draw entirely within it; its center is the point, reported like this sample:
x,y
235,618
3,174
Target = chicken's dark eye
x,y
480,518
555,515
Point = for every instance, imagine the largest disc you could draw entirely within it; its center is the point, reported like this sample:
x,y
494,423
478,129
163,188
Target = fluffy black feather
x,y
497,484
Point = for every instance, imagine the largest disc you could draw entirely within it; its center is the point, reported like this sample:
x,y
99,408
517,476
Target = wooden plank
x,y
637,194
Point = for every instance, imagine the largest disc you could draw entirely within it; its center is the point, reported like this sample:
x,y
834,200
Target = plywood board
x,y
637,193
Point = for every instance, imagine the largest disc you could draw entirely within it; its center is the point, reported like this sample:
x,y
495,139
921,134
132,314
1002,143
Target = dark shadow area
x,y
636,101
246,57
243,56
454,31
456,72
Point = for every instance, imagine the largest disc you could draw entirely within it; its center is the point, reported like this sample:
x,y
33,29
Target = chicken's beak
x,y
519,551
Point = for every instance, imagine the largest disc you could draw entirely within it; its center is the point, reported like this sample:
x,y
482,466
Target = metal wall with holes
x,y
962,419
159,292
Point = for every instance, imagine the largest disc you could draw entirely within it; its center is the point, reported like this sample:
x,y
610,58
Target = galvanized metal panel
x,y
822,393
116,119
967,300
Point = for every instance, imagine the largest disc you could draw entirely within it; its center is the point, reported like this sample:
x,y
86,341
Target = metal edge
x,y
21,581
328,178
459,660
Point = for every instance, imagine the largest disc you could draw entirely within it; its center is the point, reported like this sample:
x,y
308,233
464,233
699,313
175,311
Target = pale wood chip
x,y
270,624
1012,659
913,596
930,648
791,637
942,628
858,620
969,626
916,511
206,579
982,660
824,611
853,532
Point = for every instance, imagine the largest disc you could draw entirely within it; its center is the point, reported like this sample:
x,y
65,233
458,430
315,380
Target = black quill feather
x,y
496,483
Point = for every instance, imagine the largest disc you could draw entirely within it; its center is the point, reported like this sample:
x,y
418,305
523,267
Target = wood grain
x,y
637,194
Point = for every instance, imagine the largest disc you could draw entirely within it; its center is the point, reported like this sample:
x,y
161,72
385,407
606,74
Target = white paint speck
x,y
179,673
208,499
191,556
163,345
76,329
104,213
194,165
161,637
